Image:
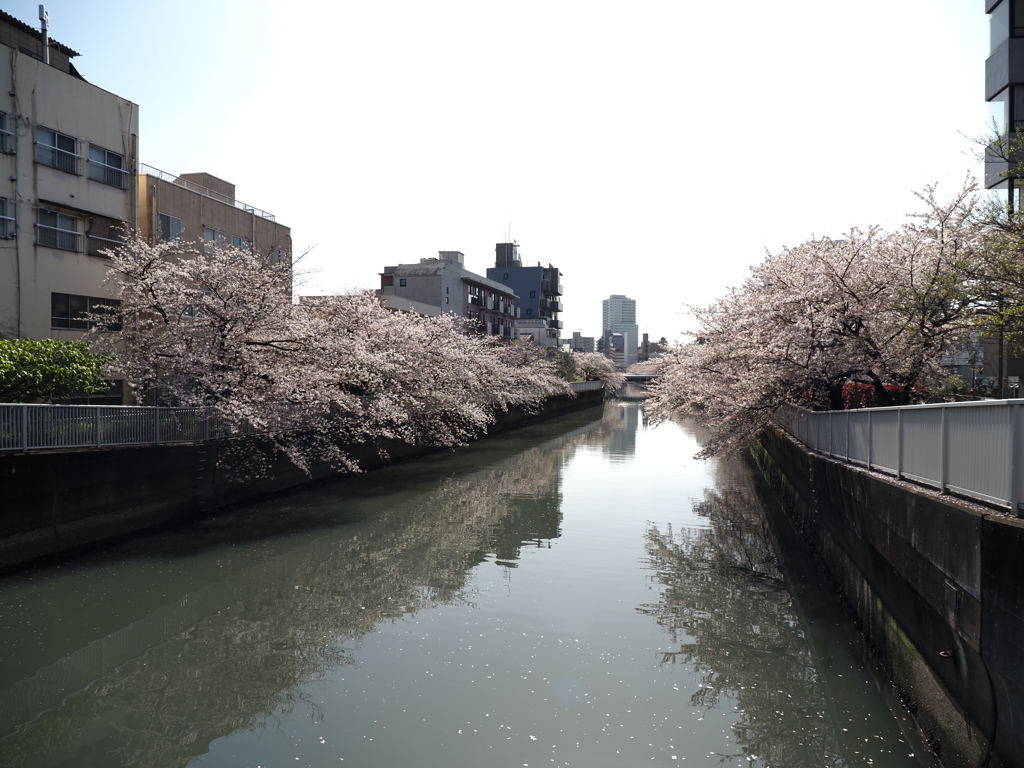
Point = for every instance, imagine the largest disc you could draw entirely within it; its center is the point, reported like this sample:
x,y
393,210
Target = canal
x,y
578,593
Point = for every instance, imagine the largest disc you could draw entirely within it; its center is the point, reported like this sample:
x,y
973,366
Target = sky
x,y
654,149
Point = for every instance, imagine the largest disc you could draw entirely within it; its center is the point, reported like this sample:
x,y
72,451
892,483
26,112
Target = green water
x,y
579,593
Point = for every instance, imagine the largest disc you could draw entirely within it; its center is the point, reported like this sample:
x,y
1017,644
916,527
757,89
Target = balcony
x,y
6,140
555,324
61,159
98,246
54,237
108,174
551,286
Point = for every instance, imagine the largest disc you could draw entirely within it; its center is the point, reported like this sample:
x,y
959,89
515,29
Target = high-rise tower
x,y
618,315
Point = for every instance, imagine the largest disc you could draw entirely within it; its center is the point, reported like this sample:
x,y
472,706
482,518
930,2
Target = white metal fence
x,y
35,427
29,427
971,449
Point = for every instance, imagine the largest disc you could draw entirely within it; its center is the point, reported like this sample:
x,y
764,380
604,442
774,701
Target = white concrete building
x,y
444,283
68,154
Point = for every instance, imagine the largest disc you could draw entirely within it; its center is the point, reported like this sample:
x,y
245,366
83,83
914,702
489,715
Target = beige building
x,y
202,208
67,183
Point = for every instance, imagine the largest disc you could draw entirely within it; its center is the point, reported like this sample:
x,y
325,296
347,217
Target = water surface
x,y
578,593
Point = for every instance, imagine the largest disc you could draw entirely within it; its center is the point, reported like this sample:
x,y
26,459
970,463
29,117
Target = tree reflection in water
x,y
726,604
236,654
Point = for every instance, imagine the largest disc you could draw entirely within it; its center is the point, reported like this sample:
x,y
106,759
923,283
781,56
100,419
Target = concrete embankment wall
x,y
55,502
937,586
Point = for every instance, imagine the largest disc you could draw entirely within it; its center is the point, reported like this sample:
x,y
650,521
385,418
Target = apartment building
x,y
446,285
199,207
1004,92
539,287
581,343
68,154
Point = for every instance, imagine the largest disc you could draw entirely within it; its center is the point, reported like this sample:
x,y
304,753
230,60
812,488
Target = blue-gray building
x,y
539,291
1004,92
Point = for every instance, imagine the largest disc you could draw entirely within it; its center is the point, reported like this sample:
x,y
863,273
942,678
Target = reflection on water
x,y
727,606
581,592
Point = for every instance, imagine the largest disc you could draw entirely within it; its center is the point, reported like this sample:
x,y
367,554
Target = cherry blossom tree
x,y
594,366
217,328
878,308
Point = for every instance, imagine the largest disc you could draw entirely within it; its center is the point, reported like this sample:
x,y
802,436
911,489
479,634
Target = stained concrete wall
x,y
53,503
937,586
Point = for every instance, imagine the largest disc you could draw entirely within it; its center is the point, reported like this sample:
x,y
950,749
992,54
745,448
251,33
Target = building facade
x,y
539,288
581,343
444,283
199,207
618,316
1004,92
68,153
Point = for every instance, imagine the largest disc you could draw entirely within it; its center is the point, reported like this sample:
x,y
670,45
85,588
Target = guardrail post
x,y
899,444
156,432
24,428
942,449
99,427
1015,460
871,437
847,452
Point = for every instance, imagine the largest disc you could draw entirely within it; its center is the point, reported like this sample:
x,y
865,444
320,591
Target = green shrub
x,y
32,370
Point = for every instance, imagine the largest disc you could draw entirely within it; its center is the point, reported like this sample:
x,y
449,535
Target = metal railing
x,y
54,237
6,142
61,159
97,244
32,427
201,190
970,449
28,427
108,174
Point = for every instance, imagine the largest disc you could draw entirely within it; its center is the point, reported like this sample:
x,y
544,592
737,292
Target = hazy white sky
x,y
652,149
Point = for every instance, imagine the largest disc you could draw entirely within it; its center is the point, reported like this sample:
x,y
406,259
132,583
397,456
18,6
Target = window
x,y
57,230
102,234
445,299
56,150
113,396
401,282
107,167
6,135
168,228
70,311
278,257
7,223
244,244
212,238
529,311
533,294
505,276
999,25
